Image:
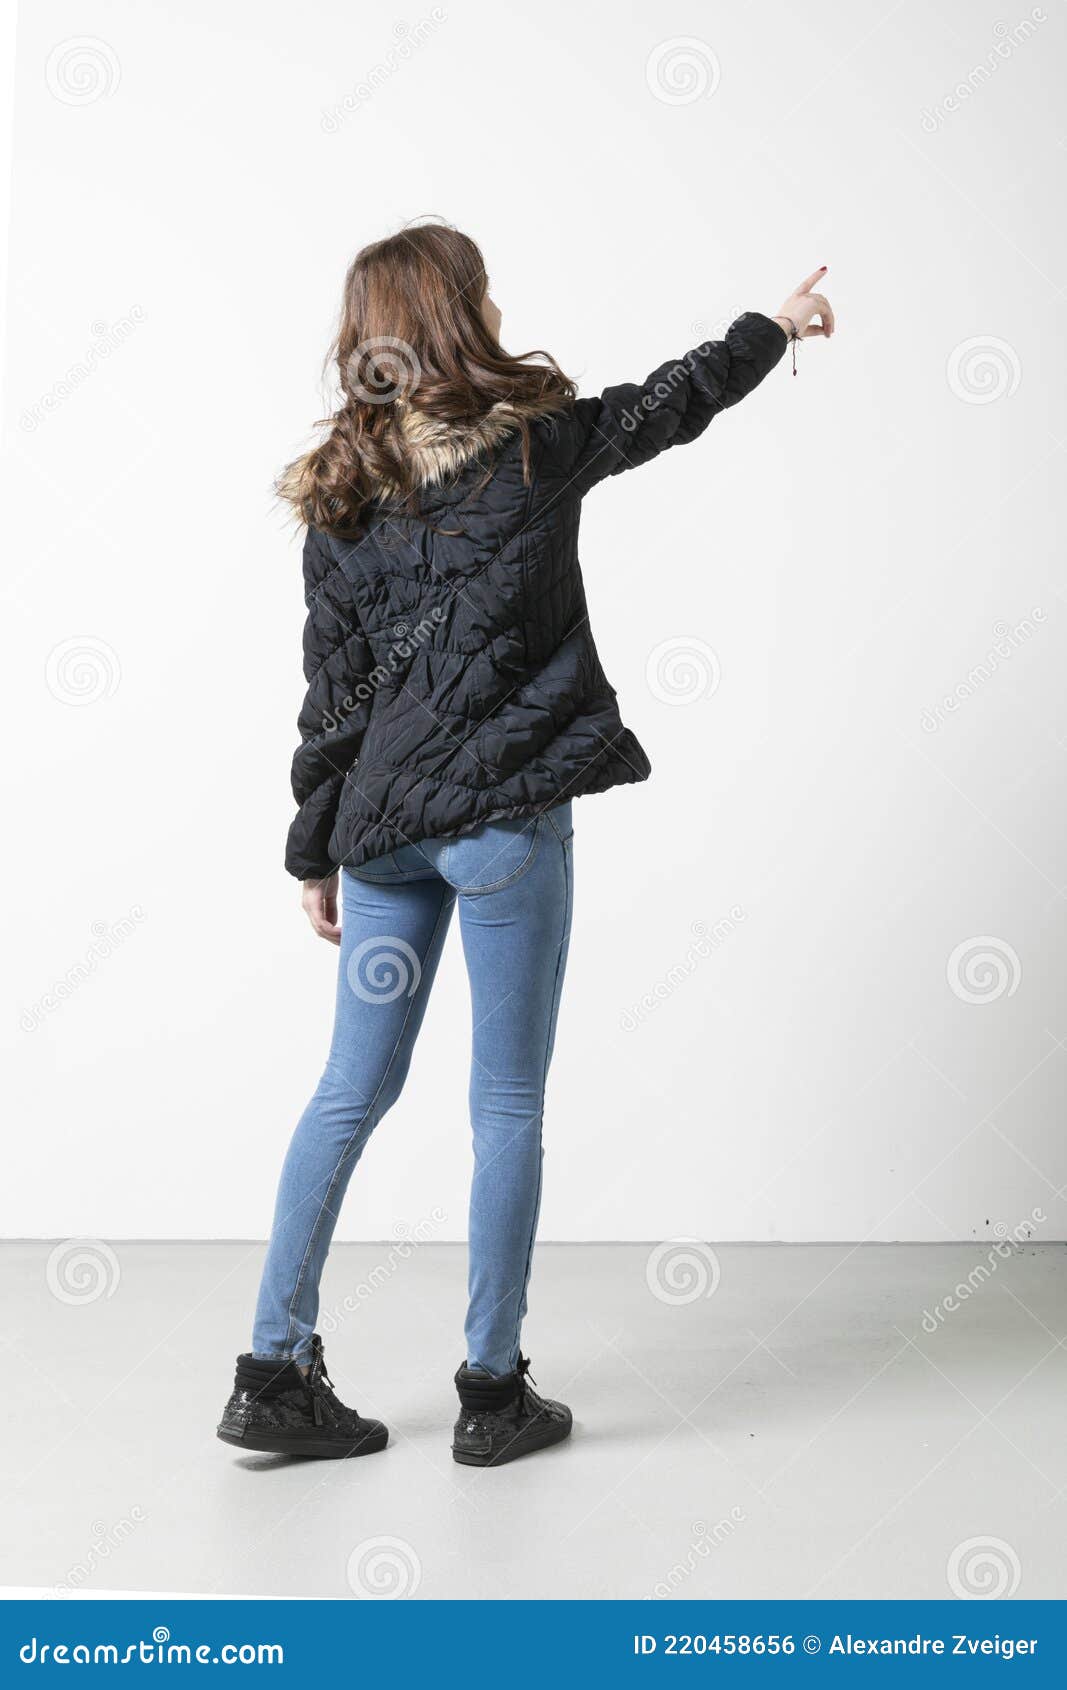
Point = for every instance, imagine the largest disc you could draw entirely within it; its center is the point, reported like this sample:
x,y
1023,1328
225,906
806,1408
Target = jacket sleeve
x,y
335,711
631,424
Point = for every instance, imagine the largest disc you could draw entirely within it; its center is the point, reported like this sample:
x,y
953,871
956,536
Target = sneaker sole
x,y
514,1451
293,1443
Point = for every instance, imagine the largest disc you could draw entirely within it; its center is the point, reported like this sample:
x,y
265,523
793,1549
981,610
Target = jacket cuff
x,y
309,871
764,338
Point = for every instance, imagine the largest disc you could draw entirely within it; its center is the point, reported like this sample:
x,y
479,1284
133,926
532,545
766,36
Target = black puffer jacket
x,y
452,675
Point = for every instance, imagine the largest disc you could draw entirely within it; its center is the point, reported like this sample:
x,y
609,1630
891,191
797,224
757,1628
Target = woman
x,y
456,707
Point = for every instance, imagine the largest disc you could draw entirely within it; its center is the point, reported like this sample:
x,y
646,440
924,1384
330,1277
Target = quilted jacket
x,y
452,675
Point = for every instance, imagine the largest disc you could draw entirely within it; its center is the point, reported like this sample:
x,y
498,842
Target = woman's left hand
x,y
320,906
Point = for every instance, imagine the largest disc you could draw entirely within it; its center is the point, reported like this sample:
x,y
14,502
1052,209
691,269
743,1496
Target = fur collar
x,y
440,449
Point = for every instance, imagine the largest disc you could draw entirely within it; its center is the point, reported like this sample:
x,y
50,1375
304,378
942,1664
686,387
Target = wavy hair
x,y
412,343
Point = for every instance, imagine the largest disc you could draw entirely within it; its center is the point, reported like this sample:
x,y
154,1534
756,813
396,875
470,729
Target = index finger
x,y
806,286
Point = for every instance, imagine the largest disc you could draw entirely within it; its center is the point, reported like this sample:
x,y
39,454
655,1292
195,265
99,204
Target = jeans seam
x,y
509,879
562,837
396,876
335,1176
399,877
557,986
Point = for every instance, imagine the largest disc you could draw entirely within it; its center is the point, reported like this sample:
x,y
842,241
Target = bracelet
x,y
793,338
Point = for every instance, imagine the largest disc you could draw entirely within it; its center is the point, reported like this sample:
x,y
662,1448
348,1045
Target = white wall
x,y
846,544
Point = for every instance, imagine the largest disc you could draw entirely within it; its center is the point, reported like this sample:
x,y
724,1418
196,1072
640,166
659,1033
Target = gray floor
x,y
796,1433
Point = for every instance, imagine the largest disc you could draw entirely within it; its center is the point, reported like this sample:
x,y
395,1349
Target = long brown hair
x,y
412,339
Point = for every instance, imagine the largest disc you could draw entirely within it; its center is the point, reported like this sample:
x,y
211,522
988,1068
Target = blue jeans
x,y
513,883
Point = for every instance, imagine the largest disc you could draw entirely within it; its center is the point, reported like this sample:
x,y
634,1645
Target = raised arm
x,y
630,424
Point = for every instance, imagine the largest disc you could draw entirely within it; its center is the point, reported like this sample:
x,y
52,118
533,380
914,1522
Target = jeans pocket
x,y
492,856
407,863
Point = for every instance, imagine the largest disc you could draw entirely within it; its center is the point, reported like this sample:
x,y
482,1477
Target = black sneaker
x,y
273,1407
501,1419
